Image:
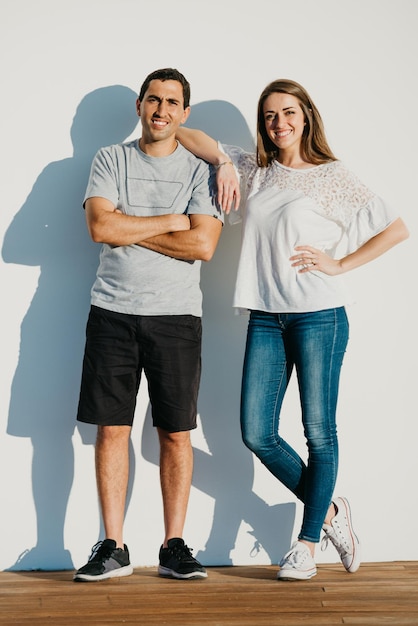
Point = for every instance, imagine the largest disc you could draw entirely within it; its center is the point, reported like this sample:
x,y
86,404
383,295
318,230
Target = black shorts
x,y
119,347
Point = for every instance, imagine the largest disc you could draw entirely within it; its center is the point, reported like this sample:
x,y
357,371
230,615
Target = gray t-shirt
x,y
134,280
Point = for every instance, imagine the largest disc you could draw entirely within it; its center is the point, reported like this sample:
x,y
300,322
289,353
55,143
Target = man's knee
x,y
109,434
174,439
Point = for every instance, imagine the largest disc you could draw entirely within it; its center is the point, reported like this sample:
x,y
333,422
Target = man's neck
x,y
158,148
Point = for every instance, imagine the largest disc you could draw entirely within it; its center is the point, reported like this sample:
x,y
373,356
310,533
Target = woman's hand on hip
x,y
309,259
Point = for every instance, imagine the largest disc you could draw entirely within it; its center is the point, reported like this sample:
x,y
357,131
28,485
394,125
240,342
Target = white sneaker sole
x,y
356,556
127,570
170,573
288,575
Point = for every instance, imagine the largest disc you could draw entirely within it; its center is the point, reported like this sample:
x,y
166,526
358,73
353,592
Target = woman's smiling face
x,y
284,120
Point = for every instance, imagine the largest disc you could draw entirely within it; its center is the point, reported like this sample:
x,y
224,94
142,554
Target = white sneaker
x,y
342,536
297,564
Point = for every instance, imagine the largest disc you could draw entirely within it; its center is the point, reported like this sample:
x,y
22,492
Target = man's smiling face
x,y
161,110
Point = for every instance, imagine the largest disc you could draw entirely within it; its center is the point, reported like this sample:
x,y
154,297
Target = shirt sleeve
x,y
244,162
368,222
103,180
363,213
203,200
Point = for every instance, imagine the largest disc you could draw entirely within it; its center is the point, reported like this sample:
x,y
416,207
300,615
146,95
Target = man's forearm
x,y
106,224
176,245
198,243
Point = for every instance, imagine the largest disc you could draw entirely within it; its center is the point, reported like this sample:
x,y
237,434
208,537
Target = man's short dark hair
x,y
167,73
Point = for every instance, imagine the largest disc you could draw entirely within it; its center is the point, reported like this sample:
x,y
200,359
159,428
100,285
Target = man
x,y
150,203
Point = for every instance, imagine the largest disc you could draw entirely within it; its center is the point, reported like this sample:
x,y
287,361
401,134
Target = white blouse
x,y
325,206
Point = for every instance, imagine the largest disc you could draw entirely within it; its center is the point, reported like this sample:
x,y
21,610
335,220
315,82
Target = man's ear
x,y
186,114
138,107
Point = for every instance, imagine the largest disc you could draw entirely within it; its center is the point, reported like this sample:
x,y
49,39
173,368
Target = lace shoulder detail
x,y
333,187
246,164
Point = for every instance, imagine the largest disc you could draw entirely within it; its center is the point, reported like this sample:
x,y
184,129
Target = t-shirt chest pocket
x,y
153,197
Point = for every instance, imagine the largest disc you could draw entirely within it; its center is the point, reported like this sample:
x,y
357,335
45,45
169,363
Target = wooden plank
x,y
378,594
381,620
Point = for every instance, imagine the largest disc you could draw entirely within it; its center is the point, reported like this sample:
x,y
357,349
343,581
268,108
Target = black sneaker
x,y
176,561
105,561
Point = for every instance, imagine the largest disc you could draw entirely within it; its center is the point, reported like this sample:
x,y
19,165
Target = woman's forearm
x,y
376,246
201,145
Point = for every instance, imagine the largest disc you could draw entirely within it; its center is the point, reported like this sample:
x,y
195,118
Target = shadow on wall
x,y
49,231
226,473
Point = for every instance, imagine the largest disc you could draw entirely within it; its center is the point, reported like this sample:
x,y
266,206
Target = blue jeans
x,y
313,343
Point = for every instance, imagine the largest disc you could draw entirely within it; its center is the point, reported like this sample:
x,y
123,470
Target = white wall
x,y
70,74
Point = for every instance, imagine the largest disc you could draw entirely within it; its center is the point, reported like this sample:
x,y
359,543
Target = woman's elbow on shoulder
x,y
401,229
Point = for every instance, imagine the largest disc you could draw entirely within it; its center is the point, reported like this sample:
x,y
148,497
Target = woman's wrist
x,y
223,159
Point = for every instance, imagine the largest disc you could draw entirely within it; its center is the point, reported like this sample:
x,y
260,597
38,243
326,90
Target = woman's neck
x,y
295,163
293,159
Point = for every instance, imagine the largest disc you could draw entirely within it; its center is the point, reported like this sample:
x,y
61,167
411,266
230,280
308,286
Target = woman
x,y
301,205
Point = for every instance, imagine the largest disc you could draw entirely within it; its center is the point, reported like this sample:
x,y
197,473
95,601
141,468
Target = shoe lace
x,y
182,552
100,551
22,556
294,557
337,538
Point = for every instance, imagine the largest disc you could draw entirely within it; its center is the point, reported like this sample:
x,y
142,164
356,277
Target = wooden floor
x,y
378,594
